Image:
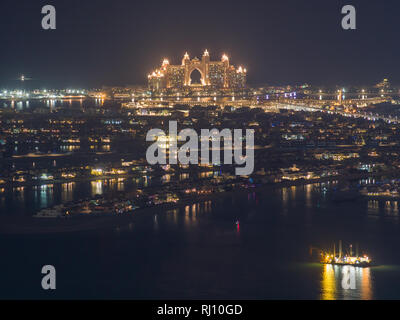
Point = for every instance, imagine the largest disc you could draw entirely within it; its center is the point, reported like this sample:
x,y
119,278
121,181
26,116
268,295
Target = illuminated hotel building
x,y
213,74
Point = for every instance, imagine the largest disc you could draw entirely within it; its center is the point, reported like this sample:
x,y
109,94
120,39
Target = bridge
x,y
316,108
267,106
237,103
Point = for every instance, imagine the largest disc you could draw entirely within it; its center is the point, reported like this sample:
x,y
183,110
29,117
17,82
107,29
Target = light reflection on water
x,y
308,190
190,219
97,187
190,214
45,193
383,208
331,283
69,148
67,191
112,184
373,207
53,103
285,201
328,283
391,208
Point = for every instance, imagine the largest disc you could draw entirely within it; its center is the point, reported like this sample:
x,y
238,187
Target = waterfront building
x,y
213,74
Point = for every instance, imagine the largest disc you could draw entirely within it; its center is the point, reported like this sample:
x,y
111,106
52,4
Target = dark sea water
x,y
256,246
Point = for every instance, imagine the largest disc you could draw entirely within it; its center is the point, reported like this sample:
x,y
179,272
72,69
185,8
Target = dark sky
x,y
117,42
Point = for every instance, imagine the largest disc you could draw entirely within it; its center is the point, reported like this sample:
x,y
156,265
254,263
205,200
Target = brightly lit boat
x,y
345,259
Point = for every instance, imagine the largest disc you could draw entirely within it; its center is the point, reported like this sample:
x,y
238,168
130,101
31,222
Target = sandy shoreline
x,y
30,225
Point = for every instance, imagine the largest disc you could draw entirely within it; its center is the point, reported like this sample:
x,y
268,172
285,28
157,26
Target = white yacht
x,y
55,212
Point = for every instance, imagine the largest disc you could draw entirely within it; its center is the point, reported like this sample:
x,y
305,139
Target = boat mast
x,y
334,250
340,249
356,249
351,250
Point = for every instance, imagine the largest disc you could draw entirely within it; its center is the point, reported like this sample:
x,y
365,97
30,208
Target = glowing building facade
x,y
213,74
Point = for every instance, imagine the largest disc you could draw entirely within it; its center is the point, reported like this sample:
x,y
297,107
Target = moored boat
x,y
55,212
345,259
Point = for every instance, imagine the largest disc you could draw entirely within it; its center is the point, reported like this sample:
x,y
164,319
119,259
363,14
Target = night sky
x,y
118,42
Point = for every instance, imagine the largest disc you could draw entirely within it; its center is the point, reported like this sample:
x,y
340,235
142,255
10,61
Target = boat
x,y
84,210
345,259
54,212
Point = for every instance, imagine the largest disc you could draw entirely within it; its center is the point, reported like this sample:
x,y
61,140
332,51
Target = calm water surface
x,y
252,246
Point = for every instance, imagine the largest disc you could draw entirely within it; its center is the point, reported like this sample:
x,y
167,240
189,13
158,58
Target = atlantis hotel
x,y
213,74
